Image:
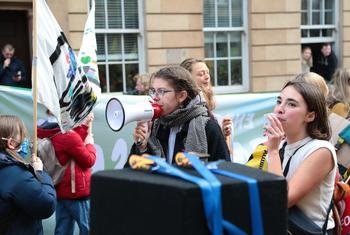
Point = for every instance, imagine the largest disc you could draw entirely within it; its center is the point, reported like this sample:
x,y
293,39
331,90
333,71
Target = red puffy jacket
x,y
70,146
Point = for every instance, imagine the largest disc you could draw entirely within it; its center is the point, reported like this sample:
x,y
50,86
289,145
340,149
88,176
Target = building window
x,y
226,44
318,21
118,36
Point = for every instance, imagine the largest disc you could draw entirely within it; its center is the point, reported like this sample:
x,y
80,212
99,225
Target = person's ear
x,y
310,116
181,96
9,144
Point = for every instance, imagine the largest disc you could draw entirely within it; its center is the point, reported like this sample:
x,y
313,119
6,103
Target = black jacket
x,y
6,74
217,147
325,66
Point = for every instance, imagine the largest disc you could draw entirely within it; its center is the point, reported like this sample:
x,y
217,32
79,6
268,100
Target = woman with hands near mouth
x,y
184,124
298,149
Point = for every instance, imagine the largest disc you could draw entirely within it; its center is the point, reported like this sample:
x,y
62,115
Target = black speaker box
x,y
138,202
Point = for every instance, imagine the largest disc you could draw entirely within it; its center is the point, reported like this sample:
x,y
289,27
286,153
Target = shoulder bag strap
x,y
285,172
286,169
281,151
324,227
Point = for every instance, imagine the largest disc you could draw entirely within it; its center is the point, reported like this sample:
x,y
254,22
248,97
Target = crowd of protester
x,y
297,141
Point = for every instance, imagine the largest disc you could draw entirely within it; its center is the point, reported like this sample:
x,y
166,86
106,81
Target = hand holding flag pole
x,y
34,83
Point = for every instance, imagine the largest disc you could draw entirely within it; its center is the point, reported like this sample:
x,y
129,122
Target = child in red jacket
x,y
75,148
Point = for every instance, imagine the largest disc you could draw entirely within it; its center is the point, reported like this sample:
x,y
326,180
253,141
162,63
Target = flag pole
x,y
34,77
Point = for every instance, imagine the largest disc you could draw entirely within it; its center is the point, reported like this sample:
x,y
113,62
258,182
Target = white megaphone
x,y
118,115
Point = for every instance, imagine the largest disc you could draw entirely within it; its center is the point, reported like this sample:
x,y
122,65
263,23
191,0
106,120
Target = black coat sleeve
x,y
332,65
217,147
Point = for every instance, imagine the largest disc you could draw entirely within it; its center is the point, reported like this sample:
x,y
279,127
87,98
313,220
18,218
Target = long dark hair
x,y
319,128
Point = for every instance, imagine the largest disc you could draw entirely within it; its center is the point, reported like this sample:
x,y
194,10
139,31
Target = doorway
x,y
14,30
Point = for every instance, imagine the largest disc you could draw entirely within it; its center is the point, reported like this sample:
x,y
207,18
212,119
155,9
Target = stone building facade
x,y
259,47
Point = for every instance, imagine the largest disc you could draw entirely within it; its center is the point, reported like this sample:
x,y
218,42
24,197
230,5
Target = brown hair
x,y
319,128
180,79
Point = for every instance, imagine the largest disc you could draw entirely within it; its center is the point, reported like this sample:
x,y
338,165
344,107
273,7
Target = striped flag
x,y
67,85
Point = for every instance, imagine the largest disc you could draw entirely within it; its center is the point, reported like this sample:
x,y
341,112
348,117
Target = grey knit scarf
x,y
196,141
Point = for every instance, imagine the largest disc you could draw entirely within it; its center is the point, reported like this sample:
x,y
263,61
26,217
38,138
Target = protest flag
x,y
66,85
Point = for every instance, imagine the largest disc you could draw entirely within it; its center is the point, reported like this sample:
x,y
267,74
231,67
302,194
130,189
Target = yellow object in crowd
x,y
258,159
137,162
341,109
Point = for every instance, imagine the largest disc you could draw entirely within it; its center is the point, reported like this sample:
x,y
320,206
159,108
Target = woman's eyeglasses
x,y
159,92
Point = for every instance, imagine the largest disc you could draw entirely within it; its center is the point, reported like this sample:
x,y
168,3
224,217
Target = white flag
x,y
68,87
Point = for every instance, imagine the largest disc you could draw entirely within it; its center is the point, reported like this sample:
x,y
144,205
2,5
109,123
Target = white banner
x,y
113,148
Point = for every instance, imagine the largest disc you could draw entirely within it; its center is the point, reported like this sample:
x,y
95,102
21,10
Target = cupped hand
x,y
141,133
36,163
226,126
274,132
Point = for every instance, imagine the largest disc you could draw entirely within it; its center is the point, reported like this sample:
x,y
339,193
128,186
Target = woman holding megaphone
x,y
184,124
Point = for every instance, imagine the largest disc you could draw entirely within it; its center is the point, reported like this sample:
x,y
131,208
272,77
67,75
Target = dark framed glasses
x,y
159,92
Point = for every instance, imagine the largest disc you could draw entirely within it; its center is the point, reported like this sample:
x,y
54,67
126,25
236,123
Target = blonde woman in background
x,y
338,99
142,84
200,73
316,80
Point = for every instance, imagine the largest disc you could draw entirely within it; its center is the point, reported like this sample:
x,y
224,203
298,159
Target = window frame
x,y
322,25
123,31
244,87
